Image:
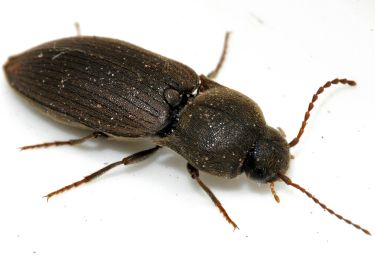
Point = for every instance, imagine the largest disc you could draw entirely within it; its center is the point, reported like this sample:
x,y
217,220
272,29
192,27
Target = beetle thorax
x,y
215,131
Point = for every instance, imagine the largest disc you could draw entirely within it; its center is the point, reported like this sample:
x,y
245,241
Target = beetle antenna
x,y
288,181
311,105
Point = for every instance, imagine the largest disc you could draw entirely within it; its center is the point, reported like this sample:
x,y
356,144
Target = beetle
x,y
117,89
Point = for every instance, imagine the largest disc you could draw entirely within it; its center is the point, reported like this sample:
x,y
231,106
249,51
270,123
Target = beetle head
x,y
268,157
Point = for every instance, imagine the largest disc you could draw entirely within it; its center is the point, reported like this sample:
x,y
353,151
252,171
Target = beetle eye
x,y
249,163
256,165
250,167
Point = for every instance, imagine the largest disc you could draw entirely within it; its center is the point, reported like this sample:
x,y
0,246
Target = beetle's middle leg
x,y
195,175
214,73
69,142
134,158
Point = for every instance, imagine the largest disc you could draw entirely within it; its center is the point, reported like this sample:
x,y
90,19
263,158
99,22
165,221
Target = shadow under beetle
x,y
117,89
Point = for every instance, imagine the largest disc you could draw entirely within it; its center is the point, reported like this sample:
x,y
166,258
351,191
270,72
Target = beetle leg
x,y
134,158
195,175
69,142
214,73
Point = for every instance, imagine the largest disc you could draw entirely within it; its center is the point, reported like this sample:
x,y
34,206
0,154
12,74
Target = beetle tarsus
x,y
195,175
69,142
134,158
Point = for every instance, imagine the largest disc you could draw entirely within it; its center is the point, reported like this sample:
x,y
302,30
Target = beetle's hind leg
x,y
195,175
68,142
214,73
134,158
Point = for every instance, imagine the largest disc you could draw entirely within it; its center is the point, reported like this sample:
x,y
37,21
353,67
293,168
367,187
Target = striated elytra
x,y
116,89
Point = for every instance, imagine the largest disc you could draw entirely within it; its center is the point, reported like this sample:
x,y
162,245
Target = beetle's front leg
x,y
195,175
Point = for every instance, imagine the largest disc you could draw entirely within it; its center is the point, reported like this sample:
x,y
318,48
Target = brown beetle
x,y
116,89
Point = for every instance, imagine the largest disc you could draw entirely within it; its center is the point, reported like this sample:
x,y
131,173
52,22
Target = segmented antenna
x,y
288,181
311,105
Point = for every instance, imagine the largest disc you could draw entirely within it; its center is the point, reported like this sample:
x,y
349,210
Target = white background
x,y
279,54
